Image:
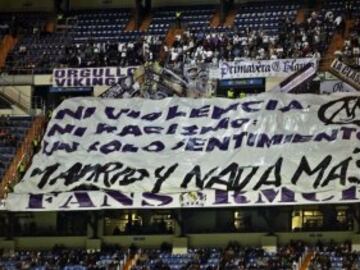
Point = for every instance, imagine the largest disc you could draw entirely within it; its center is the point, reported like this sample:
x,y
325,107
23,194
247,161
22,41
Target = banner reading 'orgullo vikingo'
x,y
266,149
83,77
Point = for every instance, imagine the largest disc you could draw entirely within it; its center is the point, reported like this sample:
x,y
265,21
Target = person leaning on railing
x,y
36,145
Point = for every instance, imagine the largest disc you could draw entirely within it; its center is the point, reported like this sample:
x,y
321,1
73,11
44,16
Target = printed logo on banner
x,y
194,198
335,86
338,87
341,111
276,66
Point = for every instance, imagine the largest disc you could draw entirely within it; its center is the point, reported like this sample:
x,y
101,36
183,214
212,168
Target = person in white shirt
x,y
338,20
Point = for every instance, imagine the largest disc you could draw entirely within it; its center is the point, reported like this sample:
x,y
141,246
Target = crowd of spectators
x,y
61,258
94,54
289,39
351,49
233,257
236,257
308,39
335,256
162,259
45,51
6,137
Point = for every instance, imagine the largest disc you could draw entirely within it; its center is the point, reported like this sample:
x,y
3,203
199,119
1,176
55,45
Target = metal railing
x,y
23,155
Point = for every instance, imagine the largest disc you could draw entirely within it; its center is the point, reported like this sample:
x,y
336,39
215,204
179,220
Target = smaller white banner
x,y
296,79
81,77
260,68
345,72
336,86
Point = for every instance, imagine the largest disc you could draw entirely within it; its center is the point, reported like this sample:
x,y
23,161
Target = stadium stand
x,y
334,256
98,38
265,30
233,257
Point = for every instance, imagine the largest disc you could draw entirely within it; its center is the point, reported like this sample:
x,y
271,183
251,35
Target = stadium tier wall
x,y
201,234
26,6
192,240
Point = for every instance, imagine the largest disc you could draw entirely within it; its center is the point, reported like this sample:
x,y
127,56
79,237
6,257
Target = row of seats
x,y
265,16
61,258
12,132
157,259
232,257
335,257
192,17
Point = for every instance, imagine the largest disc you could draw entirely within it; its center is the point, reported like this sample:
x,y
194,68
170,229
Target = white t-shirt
x,y
338,20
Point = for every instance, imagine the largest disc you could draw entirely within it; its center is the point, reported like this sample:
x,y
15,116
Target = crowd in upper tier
x,y
99,38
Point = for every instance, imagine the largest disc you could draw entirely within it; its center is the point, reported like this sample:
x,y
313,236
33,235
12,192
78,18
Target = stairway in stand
x,y
169,40
131,26
146,23
230,18
306,263
6,45
215,20
337,43
300,17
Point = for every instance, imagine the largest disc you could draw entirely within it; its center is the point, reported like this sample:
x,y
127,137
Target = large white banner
x,y
82,77
302,143
260,68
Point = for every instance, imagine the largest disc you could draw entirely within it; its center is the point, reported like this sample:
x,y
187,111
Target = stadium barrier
x,y
23,155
